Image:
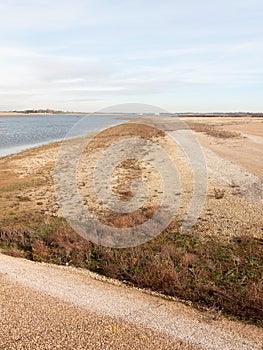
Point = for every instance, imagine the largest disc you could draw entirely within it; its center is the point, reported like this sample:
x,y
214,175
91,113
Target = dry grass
x,y
223,276
213,130
219,193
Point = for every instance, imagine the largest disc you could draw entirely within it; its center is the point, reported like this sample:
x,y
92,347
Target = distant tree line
x,y
28,111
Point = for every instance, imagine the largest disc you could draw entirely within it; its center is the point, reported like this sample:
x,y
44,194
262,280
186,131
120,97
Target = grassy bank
x,y
224,276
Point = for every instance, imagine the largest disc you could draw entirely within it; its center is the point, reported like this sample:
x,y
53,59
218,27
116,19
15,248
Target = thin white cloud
x,y
63,51
43,14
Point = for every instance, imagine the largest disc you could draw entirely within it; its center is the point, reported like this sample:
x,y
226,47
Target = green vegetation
x,y
20,186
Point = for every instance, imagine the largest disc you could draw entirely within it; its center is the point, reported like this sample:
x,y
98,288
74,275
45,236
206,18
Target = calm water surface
x,y
22,132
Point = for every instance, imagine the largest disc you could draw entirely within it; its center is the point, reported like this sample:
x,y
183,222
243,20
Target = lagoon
x,y
21,132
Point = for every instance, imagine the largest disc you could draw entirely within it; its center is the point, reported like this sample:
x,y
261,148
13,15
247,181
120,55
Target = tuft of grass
x,y
219,193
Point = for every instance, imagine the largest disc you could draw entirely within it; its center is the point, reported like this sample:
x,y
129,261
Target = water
x,y
22,132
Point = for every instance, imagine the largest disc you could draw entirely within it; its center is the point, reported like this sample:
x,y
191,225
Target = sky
x,y
84,55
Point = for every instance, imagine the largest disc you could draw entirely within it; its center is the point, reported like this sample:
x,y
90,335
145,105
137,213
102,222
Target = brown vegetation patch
x,y
213,130
128,130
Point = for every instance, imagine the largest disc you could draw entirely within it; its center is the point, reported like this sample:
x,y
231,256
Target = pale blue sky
x,y
85,55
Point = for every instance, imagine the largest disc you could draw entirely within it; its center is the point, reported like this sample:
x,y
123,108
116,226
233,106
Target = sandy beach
x,y
234,166
233,207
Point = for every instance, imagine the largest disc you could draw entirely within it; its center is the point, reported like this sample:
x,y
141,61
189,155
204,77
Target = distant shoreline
x,y
135,115
121,116
17,114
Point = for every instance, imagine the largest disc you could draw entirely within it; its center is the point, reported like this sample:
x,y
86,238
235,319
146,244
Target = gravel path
x,y
31,320
52,307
